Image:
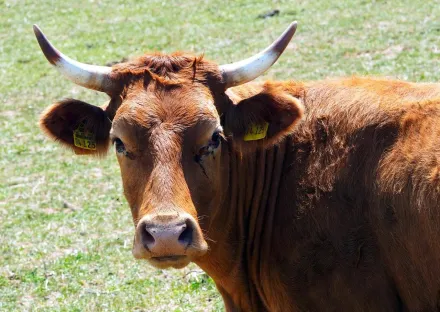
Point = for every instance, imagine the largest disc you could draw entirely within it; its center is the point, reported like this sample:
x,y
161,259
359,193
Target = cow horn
x,y
89,76
246,70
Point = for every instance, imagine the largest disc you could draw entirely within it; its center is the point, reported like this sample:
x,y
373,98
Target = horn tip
x,y
292,28
36,29
49,51
293,25
285,38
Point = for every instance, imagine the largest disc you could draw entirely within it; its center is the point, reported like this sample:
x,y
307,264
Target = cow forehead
x,y
179,108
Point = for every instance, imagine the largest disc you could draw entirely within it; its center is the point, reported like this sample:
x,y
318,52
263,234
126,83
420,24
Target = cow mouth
x,y
168,258
174,261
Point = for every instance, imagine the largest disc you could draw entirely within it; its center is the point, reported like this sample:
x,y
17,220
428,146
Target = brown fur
x,y
337,210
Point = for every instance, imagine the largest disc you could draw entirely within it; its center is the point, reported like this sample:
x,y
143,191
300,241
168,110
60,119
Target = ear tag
x,y
256,132
83,138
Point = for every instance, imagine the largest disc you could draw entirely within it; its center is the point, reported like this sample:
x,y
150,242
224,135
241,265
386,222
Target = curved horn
x,y
89,76
246,70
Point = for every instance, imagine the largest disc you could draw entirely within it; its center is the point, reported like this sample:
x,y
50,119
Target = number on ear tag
x,y
256,132
83,138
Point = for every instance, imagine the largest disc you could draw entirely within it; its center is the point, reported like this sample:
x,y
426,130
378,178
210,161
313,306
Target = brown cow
x,y
319,196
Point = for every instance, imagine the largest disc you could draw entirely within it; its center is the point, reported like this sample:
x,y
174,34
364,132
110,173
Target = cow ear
x,y
263,119
78,125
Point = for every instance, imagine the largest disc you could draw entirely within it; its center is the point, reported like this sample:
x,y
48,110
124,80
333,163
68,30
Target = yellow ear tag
x,y
83,138
256,132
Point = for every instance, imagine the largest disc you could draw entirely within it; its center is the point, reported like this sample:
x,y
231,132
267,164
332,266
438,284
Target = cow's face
x,y
167,141
164,122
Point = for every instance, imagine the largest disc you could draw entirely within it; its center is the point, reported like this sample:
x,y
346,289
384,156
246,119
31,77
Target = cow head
x,y
169,118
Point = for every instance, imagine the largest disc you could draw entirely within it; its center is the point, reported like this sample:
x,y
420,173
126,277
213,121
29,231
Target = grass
x,y
65,228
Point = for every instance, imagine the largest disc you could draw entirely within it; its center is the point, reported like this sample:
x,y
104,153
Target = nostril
x,y
185,238
146,237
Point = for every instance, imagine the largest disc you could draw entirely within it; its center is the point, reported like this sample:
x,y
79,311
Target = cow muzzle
x,y
169,240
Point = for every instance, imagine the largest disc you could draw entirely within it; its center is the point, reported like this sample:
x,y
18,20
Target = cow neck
x,y
243,225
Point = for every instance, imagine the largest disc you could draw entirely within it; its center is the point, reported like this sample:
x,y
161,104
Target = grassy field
x,y
65,227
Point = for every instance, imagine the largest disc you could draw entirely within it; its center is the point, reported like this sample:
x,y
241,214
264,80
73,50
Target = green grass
x,y
65,228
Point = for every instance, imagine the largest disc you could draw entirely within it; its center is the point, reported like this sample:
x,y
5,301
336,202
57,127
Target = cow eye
x,y
215,139
214,142
210,148
119,146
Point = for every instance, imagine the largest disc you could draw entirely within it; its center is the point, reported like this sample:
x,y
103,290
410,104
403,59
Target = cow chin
x,y
169,262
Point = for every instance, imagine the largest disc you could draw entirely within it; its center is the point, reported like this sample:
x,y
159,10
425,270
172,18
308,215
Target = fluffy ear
x,y
263,119
80,126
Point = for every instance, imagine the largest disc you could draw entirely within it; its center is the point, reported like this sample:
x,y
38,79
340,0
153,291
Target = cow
x,y
292,196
